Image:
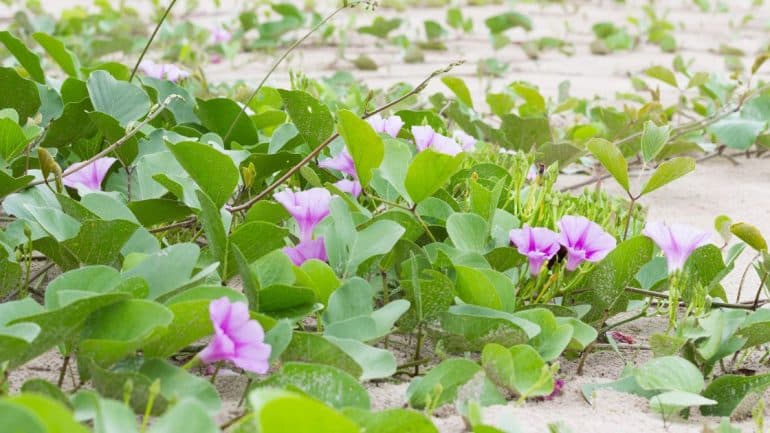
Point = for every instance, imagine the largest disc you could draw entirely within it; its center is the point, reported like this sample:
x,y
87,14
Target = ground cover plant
x,y
162,232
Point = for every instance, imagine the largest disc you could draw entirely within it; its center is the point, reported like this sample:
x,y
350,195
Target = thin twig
x,y
152,38
188,222
315,152
713,304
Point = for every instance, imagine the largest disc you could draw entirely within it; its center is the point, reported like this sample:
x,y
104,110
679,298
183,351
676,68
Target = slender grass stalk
x,y
152,38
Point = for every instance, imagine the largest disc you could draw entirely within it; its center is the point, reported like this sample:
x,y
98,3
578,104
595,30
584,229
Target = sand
x,y
718,186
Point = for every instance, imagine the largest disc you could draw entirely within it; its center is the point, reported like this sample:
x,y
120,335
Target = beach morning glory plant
x,y
677,241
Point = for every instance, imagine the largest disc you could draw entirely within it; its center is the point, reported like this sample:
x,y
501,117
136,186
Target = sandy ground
x,y
717,186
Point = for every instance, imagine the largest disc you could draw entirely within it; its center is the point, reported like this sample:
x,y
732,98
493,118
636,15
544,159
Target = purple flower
x,y
160,71
307,207
237,338
342,162
423,136
532,173
677,241
538,244
306,250
426,138
389,125
558,389
584,240
91,176
219,35
352,187
468,142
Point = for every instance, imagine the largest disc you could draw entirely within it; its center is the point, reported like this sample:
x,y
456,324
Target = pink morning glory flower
x,y
160,71
219,35
350,186
306,250
467,141
388,125
91,176
237,338
677,241
584,240
537,244
532,173
342,162
426,138
307,207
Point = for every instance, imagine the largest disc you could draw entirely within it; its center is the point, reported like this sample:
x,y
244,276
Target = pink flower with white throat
x,y
237,338
426,138
584,240
219,36
90,177
677,242
386,125
162,71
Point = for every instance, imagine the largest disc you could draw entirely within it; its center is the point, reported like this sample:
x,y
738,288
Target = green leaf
x,y
218,114
10,184
26,58
736,132
176,384
116,331
391,421
312,118
553,337
500,23
49,413
446,377
653,139
73,125
214,172
458,87
376,239
520,369
668,172
19,94
611,158
59,325
12,139
188,416
730,391
363,143
606,283
471,327
663,74
671,402
273,407
524,133
468,232
59,53
749,234
428,172
670,373
328,384
121,100
167,269
99,242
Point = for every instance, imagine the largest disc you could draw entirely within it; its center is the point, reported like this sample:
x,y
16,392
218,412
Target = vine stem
x,y
152,38
659,295
285,54
315,152
150,117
